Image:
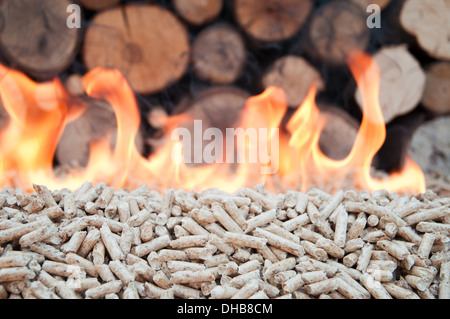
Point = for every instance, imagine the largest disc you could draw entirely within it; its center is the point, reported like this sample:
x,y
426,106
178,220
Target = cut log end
x,y
150,61
34,36
218,54
296,76
430,146
402,82
436,97
339,134
198,12
336,30
272,20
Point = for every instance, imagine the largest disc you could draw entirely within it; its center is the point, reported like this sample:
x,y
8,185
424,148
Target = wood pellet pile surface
x,y
97,242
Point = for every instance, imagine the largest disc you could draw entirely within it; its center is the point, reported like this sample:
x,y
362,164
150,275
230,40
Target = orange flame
x,y
39,113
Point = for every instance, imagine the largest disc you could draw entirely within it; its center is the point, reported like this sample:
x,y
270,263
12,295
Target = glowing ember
x,y
291,160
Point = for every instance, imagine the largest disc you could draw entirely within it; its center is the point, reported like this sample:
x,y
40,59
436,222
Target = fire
x,y
290,158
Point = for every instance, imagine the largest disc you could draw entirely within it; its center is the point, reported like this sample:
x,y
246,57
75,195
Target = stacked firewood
x,y
208,56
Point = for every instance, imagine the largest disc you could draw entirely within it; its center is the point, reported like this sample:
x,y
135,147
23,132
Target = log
x,y
428,21
198,12
339,134
217,107
430,146
34,36
295,75
436,97
98,4
402,82
219,54
337,29
272,20
147,43
95,123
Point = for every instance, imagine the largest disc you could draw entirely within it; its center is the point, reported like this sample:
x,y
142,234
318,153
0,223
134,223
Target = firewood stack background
x,y
206,57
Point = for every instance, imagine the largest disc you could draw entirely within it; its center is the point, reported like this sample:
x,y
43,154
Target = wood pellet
x,y
100,243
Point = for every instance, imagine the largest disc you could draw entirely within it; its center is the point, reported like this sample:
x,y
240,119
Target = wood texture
x,y
365,3
272,20
97,122
198,12
429,22
147,43
219,54
336,30
295,75
339,134
218,107
430,146
402,82
34,36
436,97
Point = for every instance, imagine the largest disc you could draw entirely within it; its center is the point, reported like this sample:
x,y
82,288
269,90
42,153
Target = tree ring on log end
x,y
146,43
132,53
336,30
34,36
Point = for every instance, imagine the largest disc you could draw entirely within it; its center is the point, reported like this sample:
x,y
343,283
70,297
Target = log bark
x,y
337,29
272,20
339,134
34,36
430,146
436,97
198,12
147,43
428,21
98,4
295,75
219,54
402,82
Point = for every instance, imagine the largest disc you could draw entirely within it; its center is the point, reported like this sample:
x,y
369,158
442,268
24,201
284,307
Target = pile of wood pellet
x,y
98,242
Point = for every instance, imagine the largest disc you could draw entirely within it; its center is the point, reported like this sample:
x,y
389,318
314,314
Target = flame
x,y
305,128
289,158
